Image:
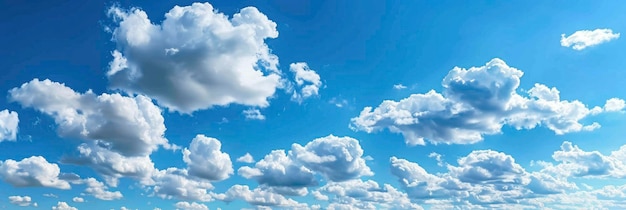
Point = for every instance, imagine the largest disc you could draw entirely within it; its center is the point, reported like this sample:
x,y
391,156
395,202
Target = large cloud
x,y
582,39
34,171
475,102
196,58
8,125
336,158
205,160
132,126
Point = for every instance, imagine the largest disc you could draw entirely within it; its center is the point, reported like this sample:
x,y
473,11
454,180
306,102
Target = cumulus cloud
x,y
399,86
247,158
573,161
78,200
482,178
258,197
63,206
21,200
368,194
205,160
177,183
308,82
8,125
253,114
216,60
98,190
34,171
191,206
475,102
132,126
582,39
335,158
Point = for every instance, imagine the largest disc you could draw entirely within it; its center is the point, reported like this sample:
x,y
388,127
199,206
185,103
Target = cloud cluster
x,y
335,158
8,125
22,201
34,171
475,102
196,58
63,206
582,39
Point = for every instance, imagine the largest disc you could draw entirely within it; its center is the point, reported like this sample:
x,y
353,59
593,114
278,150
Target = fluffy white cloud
x,y
582,39
337,158
253,114
21,200
191,206
78,200
614,105
214,60
110,164
247,158
366,194
258,197
98,190
176,183
63,206
488,166
307,81
475,102
574,161
205,160
8,125
132,126
34,171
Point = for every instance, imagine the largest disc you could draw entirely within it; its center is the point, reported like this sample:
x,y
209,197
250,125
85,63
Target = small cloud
x,y
399,86
582,39
338,102
253,114
437,157
78,199
247,158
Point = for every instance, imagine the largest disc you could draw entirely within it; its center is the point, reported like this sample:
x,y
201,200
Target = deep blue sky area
x,y
335,104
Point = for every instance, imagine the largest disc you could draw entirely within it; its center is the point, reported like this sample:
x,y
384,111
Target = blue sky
x,y
312,105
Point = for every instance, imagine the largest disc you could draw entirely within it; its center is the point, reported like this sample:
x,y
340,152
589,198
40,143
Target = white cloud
x,y
253,114
475,102
574,161
215,60
614,105
132,126
306,79
247,158
176,183
205,160
319,196
337,158
366,194
258,197
50,195
63,206
338,102
8,125
99,191
399,86
191,206
34,171
21,200
582,39
78,200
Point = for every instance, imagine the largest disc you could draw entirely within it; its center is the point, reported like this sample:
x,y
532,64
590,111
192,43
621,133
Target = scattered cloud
x,y
63,206
247,158
582,39
258,197
99,190
21,200
307,80
253,114
205,160
34,171
475,102
399,86
191,206
78,200
338,102
8,125
216,60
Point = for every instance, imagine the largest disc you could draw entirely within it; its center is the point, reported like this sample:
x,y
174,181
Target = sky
x,y
312,105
